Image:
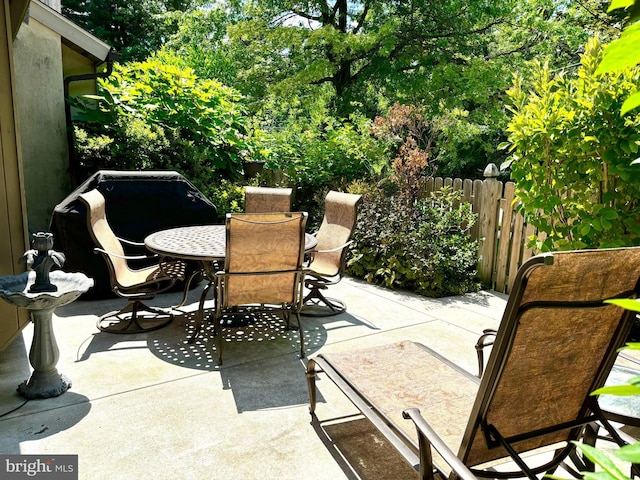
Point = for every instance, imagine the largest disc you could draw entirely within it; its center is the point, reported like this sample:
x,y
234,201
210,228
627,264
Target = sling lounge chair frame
x,y
557,343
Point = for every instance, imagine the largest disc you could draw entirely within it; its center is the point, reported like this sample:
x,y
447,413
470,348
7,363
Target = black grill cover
x,y
137,204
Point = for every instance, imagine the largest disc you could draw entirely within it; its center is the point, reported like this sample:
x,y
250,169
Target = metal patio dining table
x,y
202,243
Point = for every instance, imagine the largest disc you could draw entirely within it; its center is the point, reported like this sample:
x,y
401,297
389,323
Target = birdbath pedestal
x,y
45,381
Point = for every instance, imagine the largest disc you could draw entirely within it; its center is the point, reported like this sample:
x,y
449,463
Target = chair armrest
x,y
131,242
428,438
485,340
126,257
336,249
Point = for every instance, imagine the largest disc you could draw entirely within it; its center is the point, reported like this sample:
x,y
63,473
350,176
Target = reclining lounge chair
x,y
556,343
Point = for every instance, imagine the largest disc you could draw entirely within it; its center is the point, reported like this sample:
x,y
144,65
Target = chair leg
x,y
134,323
311,385
287,318
218,336
302,352
315,304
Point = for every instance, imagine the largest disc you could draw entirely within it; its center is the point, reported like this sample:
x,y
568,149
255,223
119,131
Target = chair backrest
x,y
263,262
267,200
340,215
103,236
556,343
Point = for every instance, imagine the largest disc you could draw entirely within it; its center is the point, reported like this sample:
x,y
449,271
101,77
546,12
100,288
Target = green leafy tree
x,y
466,98
571,155
200,41
316,151
453,60
362,49
135,29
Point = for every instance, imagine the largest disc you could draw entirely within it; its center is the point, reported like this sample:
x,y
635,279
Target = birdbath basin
x,y
45,381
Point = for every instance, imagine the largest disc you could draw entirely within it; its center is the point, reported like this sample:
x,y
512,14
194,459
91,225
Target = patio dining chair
x,y
329,258
267,199
556,343
134,284
262,271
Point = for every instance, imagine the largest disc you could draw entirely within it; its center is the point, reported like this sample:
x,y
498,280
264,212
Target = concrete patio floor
x,y
150,406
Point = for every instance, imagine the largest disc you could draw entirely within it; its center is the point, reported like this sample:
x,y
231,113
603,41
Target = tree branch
x,y
362,18
308,16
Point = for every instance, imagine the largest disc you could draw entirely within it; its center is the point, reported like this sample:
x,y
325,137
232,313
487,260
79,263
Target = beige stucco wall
x,y
77,64
45,156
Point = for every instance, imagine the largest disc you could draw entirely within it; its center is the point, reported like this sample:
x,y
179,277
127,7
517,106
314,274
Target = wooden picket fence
x,y
501,231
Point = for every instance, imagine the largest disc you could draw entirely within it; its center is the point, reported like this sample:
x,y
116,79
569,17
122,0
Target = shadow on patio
x,y
152,406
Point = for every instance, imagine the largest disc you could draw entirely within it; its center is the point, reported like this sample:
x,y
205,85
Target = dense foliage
x,y
572,153
318,151
308,70
327,91
157,115
135,29
426,248
623,52
347,45
330,59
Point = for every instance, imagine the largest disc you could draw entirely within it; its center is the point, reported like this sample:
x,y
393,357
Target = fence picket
x,y
488,219
476,203
517,249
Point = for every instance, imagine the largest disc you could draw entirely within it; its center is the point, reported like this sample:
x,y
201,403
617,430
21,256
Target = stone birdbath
x,y
41,292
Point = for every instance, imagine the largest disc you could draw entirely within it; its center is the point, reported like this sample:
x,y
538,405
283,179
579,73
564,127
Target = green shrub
x,y
426,248
319,152
158,115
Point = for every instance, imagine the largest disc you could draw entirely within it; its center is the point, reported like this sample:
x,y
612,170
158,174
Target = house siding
x,y
13,240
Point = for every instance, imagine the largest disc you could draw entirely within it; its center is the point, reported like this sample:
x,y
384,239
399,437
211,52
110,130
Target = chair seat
x,y
323,268
407,367
137,279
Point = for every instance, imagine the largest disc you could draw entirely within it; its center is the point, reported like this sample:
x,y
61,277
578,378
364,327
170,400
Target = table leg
x,y
200,313
187,287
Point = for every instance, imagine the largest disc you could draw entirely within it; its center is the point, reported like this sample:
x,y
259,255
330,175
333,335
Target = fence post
x,y
488,221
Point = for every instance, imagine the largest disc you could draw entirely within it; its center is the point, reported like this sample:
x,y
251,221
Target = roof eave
x,y
17,12
71,34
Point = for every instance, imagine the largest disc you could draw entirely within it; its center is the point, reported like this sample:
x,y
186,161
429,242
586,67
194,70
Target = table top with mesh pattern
x,y
199,242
